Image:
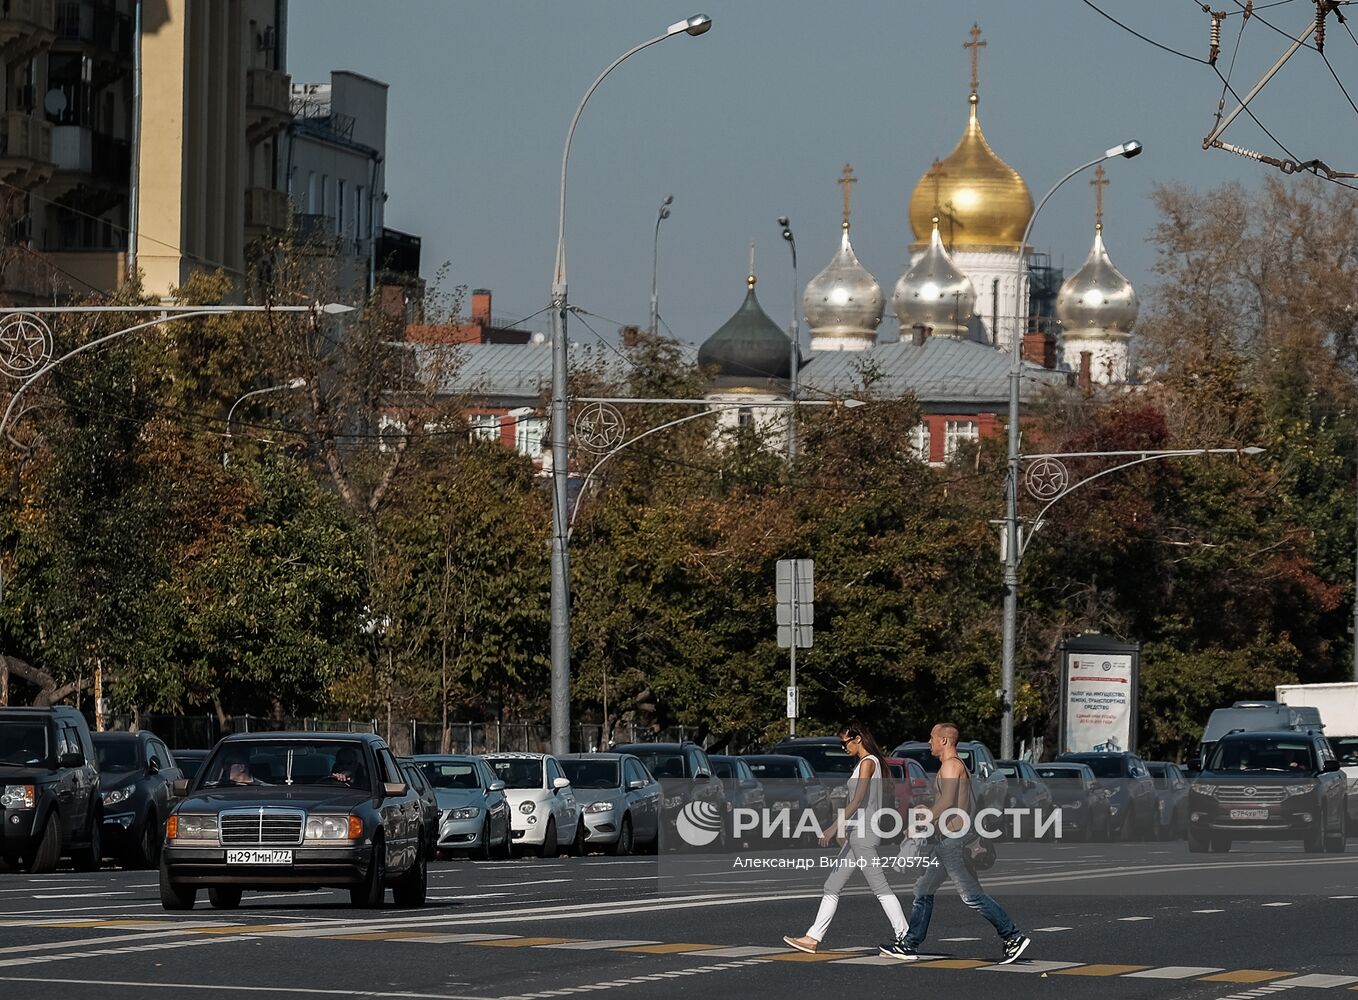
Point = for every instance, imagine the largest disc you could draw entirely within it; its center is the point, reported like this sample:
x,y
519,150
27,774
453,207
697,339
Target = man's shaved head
x,y
948,731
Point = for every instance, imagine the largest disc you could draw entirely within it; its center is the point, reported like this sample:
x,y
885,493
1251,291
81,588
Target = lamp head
x,y
669,200
1253,450
336,309
698,24
297,383
782,221
1128,149
664,213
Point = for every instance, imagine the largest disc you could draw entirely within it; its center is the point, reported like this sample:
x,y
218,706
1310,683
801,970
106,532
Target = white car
x,y
542,808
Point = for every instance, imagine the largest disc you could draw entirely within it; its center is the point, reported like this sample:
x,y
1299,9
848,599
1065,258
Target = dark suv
x,y
989,790
1132,803
49,789
686,775
137,773
1281,785
828,758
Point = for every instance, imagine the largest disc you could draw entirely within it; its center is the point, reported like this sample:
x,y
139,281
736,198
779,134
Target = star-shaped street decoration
x,y
1046,479
599,427
25,344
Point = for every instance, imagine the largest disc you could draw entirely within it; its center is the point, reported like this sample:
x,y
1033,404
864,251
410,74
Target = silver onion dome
x,y
1097,297
934,293
844,301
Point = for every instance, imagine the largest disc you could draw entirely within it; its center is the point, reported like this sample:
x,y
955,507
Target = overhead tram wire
x,y
1144,38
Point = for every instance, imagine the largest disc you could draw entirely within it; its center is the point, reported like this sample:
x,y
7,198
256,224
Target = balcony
x,y
26,28
25,148
266,211
100,157
99,27
268,102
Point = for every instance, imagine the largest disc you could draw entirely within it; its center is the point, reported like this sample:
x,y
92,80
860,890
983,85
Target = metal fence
x,y
197,732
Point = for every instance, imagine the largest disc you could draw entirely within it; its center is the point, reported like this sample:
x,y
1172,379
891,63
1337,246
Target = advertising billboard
x,y
1098,694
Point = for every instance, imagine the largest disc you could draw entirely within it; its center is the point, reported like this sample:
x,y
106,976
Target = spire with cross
x,y
975,45
846,182
750,279
936,173
1099,182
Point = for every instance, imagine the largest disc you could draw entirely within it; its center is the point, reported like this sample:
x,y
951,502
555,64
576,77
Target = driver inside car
x,y
348,767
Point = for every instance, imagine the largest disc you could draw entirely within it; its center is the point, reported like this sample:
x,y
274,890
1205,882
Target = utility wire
x,y
1152,41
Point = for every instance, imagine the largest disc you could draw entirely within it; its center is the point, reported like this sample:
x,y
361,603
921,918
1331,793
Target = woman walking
x,y
858,820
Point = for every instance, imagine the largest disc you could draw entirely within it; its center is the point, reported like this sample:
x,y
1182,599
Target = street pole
x,y
796,335
297,383
661,216
1011,522
561,607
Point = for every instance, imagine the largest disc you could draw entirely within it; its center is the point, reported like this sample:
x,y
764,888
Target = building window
x,y
485,427
745,418
921,440
529,433
312,193
339,210
955,432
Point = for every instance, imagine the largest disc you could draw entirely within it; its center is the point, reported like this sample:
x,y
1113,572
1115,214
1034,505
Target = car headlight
x,y
334,828
674,801
471,812
1203,788
527,807
599,807
1305,789
112,798
18,797
193,828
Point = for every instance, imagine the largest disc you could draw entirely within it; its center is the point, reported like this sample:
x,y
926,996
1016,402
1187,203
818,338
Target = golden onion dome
x,y
985,199
934,293
844,301
1097,297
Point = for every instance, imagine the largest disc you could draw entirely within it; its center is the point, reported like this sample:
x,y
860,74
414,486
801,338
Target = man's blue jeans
x,y
953,864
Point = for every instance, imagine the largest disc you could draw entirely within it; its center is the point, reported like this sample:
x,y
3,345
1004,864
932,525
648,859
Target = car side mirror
x,y
181,788
72,758
497,786
393,789
1330,765
635,784
559,783
153,766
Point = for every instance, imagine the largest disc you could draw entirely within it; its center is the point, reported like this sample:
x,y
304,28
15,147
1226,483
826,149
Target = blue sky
x,y
755,119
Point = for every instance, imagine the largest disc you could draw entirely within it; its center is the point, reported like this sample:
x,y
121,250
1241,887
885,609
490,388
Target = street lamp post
x,y
661,216
561,611
796,336
1011,527
297,383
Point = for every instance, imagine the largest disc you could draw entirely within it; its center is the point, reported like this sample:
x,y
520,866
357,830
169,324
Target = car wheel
x,y
224,897
1221,844
48,851
174,896
550,848
371,893
88,858
578,847
1335,843
1197,842
411,888
624,844
147,852
1314,840
484,852
507,845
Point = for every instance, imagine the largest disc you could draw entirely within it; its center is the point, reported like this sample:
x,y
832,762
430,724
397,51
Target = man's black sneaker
x,y
898,949
1014,947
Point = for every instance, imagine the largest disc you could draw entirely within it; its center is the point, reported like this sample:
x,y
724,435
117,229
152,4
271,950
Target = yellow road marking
x,y
1100,970
669,949
523,942
247,929
1244,976
801,956
376,936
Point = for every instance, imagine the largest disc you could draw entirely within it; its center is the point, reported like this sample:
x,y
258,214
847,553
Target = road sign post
x,y
796,592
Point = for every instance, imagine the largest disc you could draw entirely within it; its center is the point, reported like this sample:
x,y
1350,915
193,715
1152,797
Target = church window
x,y
955,432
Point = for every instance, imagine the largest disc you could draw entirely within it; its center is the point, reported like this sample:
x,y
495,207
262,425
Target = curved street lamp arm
x,y
566,153
24,385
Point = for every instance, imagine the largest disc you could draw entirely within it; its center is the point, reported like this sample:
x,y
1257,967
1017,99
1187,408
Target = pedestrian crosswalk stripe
x,y
1246,976
595,945
523,942
1318,981
801,956
1050,930
669,949
744,951
1030,967
953,963
1102,970
868,960
1174,972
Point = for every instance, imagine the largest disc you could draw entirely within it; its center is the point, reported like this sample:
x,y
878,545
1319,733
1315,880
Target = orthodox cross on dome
x,y
975,45
1099,182
846,181
936,173
750,280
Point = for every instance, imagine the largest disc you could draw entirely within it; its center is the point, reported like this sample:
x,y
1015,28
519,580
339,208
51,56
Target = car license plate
x,y
257,857
1249,814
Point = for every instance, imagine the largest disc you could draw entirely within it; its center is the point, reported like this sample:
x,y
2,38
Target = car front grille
x,y
1251,794
262,827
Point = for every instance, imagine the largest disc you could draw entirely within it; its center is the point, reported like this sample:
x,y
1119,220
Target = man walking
x,y
952,788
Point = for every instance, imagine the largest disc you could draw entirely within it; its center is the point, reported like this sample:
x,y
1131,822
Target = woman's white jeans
x,y
855,858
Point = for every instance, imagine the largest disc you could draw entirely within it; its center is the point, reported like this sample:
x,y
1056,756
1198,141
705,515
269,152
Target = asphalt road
x,y
1146,920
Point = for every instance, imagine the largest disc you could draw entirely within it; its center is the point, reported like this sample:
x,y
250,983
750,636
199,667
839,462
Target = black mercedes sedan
x,y
296,811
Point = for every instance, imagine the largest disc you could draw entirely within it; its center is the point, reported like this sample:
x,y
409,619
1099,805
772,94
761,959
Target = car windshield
x,y
824,760
663,763
23,743
116,754
774,769
1010,773
1104,767
1159,774
450,774
190,762
1059,773
1345,748
591,773
1262,753
287,762
724,770
517,772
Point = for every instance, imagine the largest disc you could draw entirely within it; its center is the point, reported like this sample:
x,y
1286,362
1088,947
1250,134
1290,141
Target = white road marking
x,y
1172,972
1275,904
1127,920
960,939
85,895
1318,981
1050,930
108,987
1030,967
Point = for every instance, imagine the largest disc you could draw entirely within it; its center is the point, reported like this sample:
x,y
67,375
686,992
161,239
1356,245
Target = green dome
x,y
749,345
